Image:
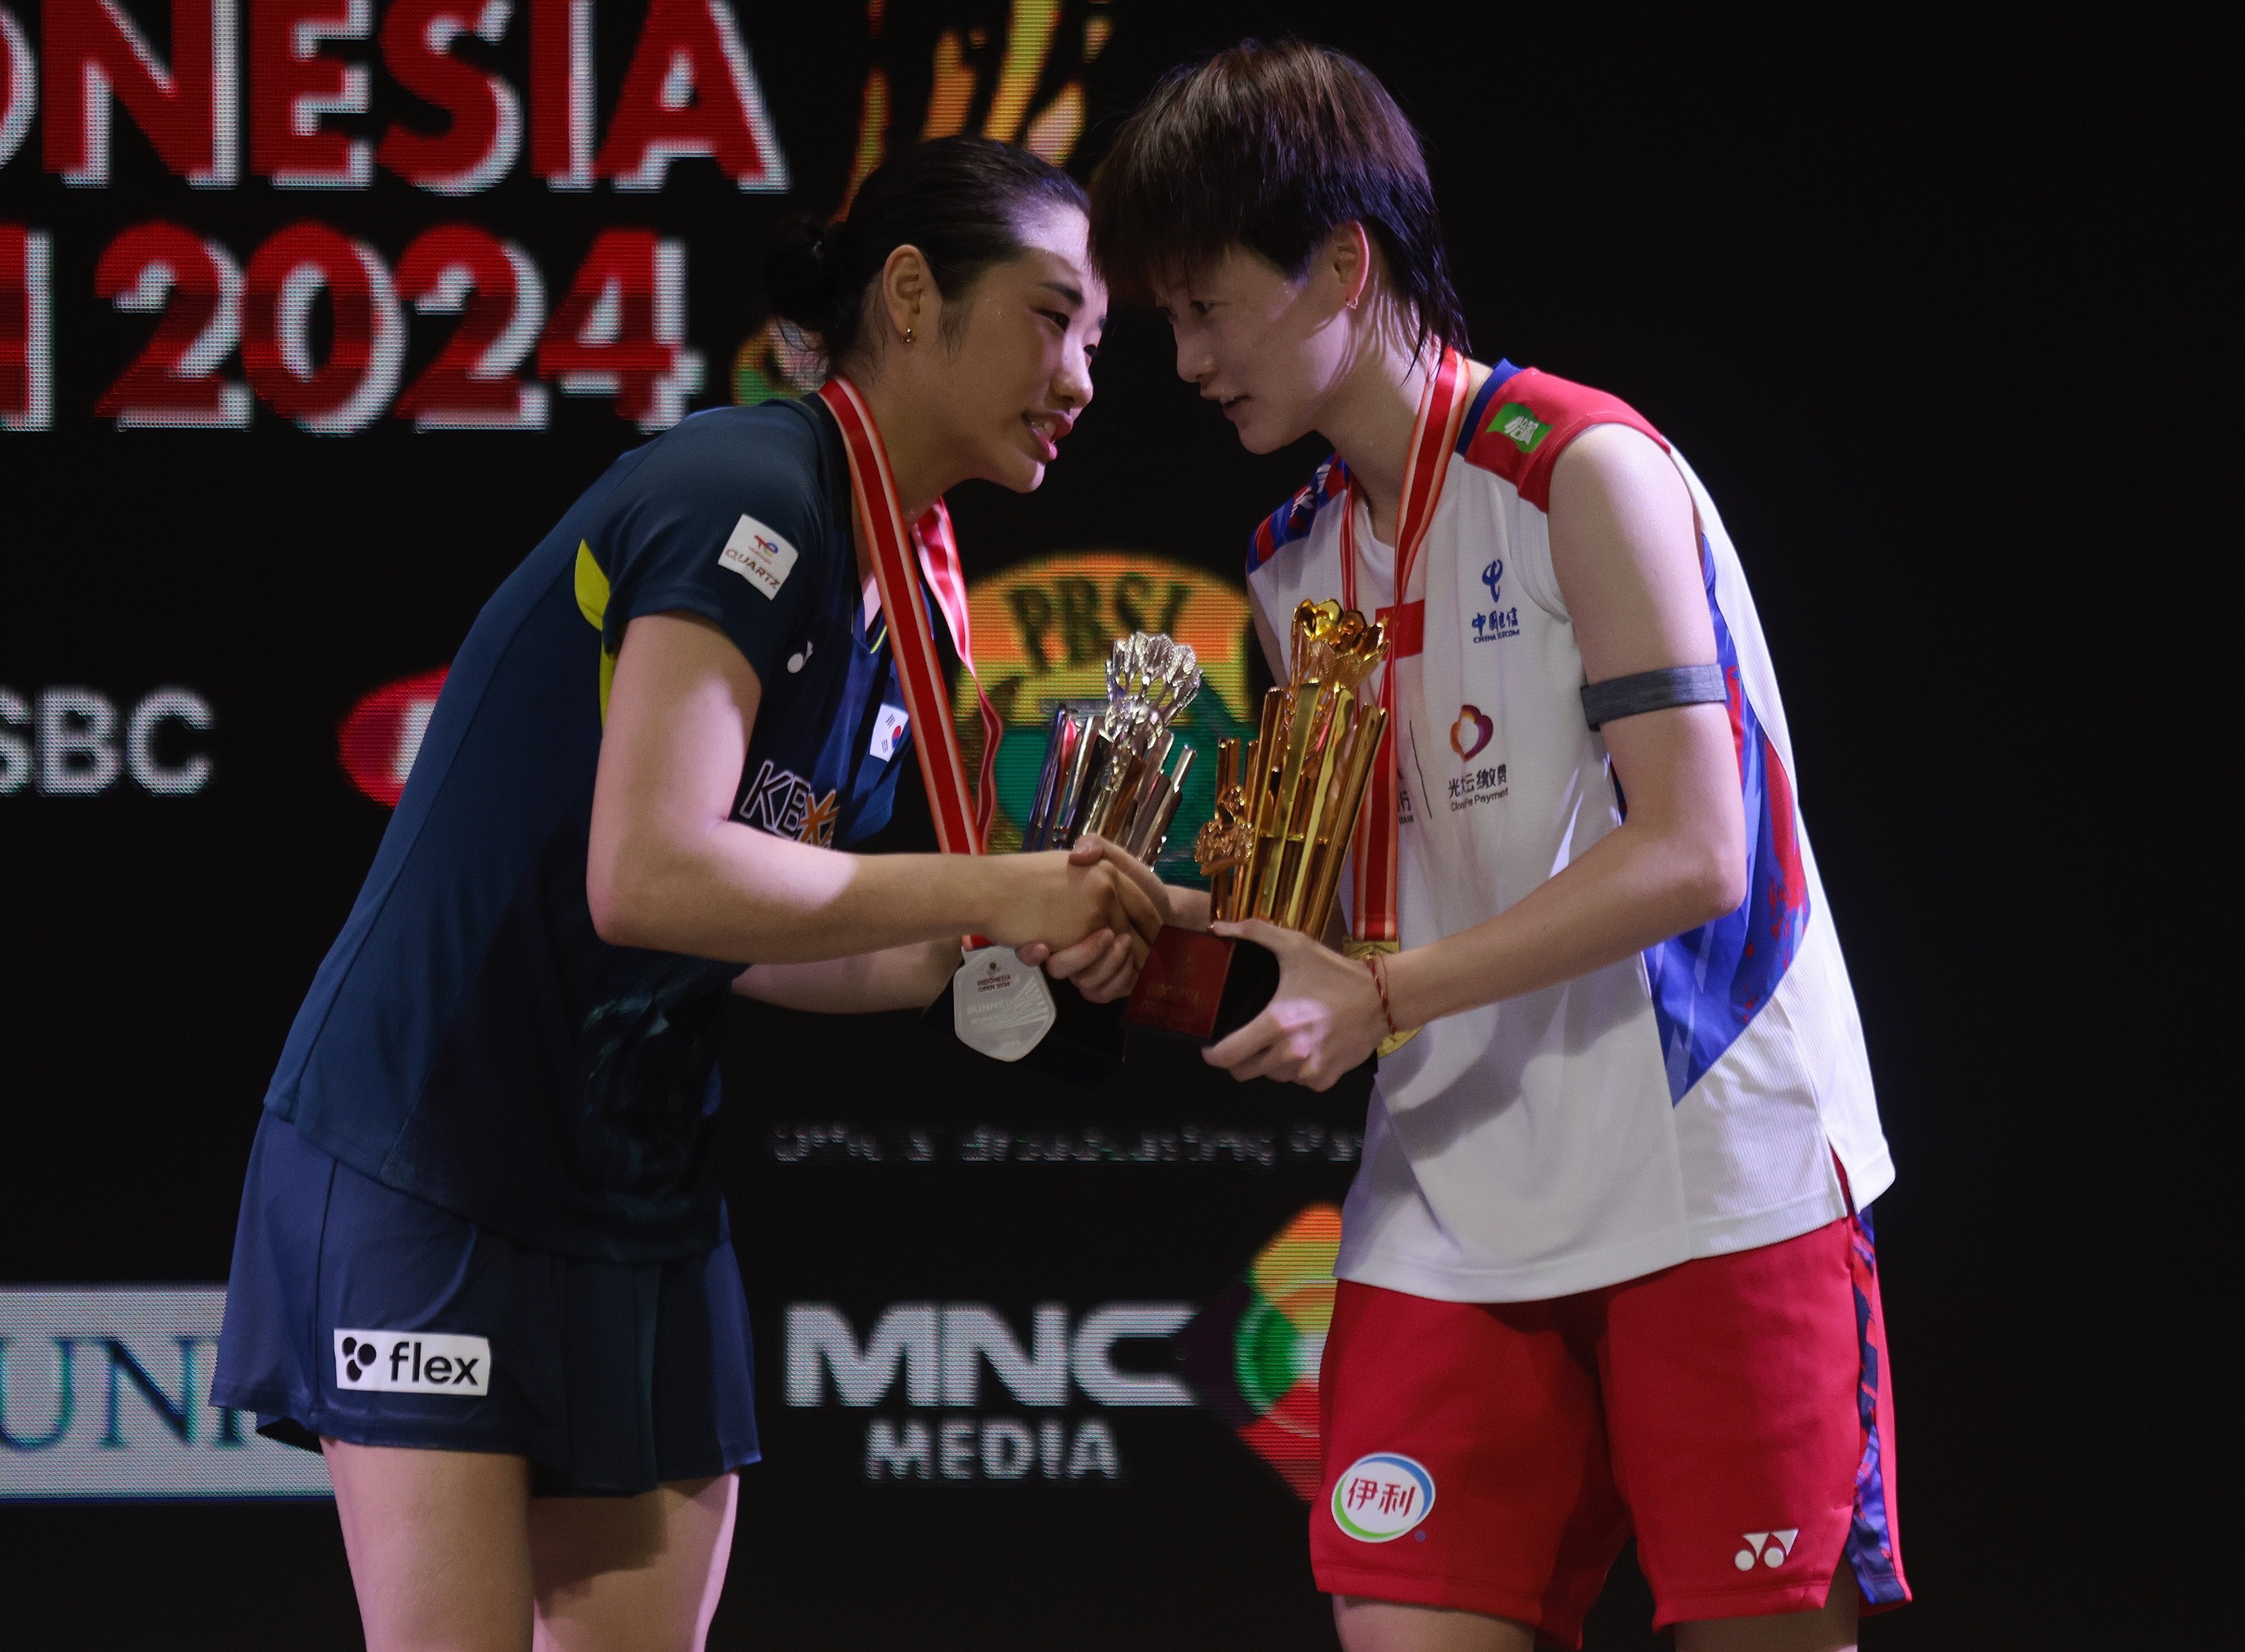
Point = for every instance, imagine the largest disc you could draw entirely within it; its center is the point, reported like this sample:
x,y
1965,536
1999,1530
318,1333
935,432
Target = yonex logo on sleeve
x,y
1381,1497
1514,421
412,1363
759,555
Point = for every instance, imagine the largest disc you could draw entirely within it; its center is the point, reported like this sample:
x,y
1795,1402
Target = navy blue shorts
x,y
365,1314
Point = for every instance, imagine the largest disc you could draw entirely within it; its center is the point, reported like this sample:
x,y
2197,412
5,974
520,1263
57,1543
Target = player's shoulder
x,y
774,469
1524,418
1292,520
781,448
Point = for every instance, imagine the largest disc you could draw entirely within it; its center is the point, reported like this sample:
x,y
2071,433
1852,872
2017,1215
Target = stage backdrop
x,y
315,314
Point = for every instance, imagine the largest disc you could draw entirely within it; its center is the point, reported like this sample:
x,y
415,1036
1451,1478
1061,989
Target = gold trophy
x,y
1286,809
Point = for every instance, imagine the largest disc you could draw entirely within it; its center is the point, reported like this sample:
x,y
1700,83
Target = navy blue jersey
x,y
469,1040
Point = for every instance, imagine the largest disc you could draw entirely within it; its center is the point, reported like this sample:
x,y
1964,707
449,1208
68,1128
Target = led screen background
x,y
282,400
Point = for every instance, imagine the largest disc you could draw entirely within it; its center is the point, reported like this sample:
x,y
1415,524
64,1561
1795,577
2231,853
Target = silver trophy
x,y
1104,766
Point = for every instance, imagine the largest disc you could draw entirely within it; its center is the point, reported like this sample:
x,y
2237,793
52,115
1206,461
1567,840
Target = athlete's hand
x,y
1105,965
1324,1020
1186,909
1056,904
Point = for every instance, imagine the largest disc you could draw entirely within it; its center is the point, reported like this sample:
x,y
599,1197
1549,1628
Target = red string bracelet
x,y
1376,962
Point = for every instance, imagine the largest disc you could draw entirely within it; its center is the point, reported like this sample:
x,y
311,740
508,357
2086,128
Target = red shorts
x,y
1733,1412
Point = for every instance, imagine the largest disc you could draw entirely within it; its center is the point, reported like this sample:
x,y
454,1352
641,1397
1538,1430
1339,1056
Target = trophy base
x,y
1201,986
1084,1047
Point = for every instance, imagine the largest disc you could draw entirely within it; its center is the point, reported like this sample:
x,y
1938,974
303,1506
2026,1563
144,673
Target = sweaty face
x,y
1266,346
1020,370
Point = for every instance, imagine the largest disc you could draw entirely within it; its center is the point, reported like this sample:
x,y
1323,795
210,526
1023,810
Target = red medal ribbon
x,y
962,817
1427,462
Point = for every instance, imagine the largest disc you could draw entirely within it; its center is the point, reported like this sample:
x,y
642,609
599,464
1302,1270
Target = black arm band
x,y
1653,691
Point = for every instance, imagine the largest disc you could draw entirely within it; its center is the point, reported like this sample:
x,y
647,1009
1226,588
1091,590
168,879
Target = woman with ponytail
x,y
482,1261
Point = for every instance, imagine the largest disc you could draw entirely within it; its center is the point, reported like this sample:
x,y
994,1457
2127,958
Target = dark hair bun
x,y
958,200
802,272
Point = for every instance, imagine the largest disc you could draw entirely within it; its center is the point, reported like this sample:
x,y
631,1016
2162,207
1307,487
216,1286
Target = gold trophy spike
x,y
1348,800
1332,737
1255,783
1300,724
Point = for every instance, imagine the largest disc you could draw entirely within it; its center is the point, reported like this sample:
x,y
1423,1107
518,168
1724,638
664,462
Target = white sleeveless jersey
x,y
1685,1102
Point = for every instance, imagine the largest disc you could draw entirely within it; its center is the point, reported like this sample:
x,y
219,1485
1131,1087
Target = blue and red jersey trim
x,y
1708,984
1293,520
1524,418
1521,420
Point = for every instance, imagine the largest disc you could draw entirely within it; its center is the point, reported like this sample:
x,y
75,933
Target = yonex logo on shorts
x,y
413,1363
1772,1548
1380,1497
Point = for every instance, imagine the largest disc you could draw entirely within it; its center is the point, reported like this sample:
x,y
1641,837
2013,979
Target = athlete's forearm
x,y
1678,861
1633,890
897,978
1188,909
732,892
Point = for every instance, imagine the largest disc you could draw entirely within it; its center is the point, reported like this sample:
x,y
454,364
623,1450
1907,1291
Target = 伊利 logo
x,y
1380,1497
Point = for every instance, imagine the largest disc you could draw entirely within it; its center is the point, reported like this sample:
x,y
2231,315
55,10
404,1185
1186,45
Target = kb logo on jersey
x,y
1496,621
780,801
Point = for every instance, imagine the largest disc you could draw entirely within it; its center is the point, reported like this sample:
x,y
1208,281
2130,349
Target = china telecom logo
x,y
1496,621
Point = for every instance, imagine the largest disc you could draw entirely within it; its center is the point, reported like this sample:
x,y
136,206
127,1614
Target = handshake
x,y
1286,809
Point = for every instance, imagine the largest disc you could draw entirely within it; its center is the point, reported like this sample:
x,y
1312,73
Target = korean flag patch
x,y
759,555
888,729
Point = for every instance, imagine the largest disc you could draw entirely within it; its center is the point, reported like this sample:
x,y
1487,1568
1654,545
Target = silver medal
x,y
1000,1005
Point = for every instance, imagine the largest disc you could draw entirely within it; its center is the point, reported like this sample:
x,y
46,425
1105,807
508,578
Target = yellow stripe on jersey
x,y
592,603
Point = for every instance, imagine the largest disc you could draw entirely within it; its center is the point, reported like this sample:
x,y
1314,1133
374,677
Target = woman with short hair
x,y
1604,1267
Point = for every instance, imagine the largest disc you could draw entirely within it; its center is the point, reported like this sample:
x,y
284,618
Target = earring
x,y
908,335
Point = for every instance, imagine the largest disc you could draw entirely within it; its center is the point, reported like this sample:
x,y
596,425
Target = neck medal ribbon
x,y
1000,1005
1434,434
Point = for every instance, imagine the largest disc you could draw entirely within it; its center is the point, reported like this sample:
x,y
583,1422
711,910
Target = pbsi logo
x,y
1380,1497
413,1363
1773,1548
780,801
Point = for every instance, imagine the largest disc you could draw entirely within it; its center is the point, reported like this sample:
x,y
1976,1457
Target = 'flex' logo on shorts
x,y
1379,1497
1771,1548
412,1363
